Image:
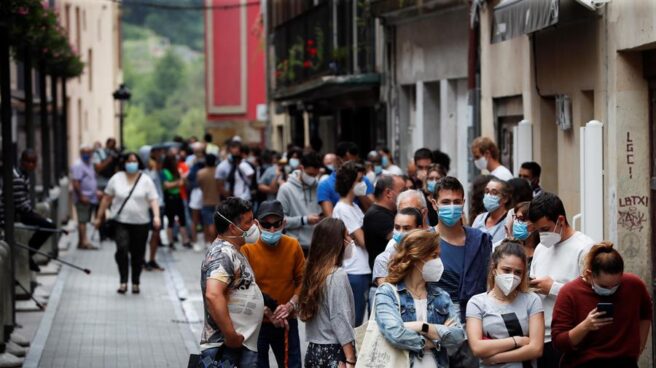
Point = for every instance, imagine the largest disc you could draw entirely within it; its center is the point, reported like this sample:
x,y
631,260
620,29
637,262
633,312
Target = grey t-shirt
x,y
335,319
267,178
496,317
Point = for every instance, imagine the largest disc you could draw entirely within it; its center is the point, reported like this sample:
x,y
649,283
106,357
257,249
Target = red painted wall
x,y
223,47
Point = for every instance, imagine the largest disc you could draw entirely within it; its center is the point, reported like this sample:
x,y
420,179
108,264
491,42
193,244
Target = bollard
x,y
22,264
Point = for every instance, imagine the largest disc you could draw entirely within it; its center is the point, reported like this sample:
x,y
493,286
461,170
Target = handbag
x,y
109,227
375,351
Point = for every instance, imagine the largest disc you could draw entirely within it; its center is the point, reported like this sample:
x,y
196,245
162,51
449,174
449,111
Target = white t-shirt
x,y
243,172
502,173
352,217
136,208
563,263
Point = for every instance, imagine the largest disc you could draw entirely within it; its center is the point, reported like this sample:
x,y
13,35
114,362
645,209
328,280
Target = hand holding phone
x,y
607,308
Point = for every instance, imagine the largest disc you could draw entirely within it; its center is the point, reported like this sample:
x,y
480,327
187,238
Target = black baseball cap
x,y
268,208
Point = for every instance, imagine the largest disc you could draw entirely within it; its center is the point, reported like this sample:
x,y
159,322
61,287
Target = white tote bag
x,y
376,351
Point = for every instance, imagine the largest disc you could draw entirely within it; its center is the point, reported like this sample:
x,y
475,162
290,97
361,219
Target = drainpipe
x,y
473,80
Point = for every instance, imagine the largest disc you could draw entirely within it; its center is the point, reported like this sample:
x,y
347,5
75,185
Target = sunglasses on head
x,y
269,225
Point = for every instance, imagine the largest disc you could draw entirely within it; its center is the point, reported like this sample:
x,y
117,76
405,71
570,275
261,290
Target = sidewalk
x,y
87,324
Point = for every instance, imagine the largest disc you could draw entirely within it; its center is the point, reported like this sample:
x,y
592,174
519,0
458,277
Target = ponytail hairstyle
x,y
416,246
602,257
508,248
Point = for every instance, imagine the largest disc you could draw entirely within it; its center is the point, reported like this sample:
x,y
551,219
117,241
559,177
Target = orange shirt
x,y
278,269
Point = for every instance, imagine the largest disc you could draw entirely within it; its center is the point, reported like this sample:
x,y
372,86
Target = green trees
x,y
168,90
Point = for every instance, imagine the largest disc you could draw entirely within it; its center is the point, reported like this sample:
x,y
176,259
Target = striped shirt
x,y
22,203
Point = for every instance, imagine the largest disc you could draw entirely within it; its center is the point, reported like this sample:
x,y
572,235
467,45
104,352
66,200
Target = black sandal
x,y
122,289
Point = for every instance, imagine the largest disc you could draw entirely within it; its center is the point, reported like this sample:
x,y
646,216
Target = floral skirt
x,y
324,356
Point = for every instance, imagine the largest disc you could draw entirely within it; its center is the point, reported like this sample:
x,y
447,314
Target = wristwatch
x,y
424,328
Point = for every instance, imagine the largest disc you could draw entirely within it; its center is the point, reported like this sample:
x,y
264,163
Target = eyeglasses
x,y
269,225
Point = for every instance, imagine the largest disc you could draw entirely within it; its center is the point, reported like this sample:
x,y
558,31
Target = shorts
x,y
174,207
196,199
208,215
84,212
161,218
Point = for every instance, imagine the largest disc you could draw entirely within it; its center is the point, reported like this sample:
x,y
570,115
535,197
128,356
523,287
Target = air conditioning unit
x,y
564,112
593,4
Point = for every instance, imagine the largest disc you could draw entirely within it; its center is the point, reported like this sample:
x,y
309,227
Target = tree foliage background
x,y
163,65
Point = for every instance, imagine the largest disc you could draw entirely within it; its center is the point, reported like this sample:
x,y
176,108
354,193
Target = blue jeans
x,y
242,358
275,337
360,286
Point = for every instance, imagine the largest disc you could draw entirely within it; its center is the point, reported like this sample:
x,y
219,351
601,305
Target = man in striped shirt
x,y
25,214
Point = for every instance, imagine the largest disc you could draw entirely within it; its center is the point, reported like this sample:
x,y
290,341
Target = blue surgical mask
x,y
384,161
378,169
131,167
491,202
271,238
520,230
449,214
330,167
293,163
431,185
397,236
601,291
85,157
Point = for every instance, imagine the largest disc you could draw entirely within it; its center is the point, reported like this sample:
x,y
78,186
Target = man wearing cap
x,y
277,261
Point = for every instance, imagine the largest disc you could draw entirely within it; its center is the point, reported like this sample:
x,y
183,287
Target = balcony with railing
x,y
330,40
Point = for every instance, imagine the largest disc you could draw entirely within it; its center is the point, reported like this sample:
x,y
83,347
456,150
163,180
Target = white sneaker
x,y
10,361
15,349
198,247
20,339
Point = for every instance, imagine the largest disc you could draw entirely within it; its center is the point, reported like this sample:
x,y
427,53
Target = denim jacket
x,y
440,310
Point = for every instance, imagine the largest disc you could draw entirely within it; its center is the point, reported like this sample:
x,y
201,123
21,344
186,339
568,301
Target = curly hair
x,y
416,246
326,253
346,176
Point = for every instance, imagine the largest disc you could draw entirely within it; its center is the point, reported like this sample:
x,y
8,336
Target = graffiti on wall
x,y
632,219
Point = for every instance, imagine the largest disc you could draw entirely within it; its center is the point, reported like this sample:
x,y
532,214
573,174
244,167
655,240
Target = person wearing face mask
x,y
590,337
278,262
435,173
299,200
234,176
422,160
486,157
326,300
129,195
519,231
83,177
349,184
387,161
505,325
425,323
496,201
530,171
556,260
233,302
466,254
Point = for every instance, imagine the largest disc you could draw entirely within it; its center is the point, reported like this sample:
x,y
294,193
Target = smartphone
x,y
606,307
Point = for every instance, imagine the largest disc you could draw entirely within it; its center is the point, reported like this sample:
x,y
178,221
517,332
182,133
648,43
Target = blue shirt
x,y
453,258
326,190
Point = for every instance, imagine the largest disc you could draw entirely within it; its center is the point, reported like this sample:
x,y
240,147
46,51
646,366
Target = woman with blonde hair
x,y
505,326
425,322
326,300
602,319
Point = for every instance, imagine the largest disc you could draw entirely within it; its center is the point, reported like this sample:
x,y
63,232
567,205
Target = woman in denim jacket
x,y
426,322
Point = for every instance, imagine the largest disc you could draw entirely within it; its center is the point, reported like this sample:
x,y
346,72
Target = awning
x,y
513,18
328,86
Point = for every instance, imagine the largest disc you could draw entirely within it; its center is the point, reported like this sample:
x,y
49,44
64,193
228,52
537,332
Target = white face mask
x,y
250,236
432,270
507,282
360,189
309,180
481,163
551,238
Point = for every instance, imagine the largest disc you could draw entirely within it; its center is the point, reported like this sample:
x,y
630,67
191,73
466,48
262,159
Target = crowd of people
x,y
330,239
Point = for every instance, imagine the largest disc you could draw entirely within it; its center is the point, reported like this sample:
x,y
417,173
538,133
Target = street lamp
x,y
122,94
